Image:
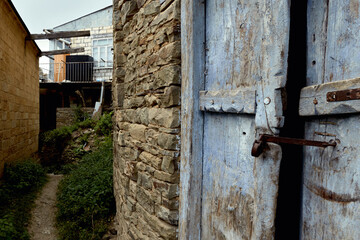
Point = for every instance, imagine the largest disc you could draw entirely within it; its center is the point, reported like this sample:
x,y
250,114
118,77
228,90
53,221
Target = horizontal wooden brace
x,y
61,34
231,101
314,100
63,51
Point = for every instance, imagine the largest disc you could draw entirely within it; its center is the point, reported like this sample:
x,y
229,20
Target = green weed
x,y
21,183
85,197
80,115
104,125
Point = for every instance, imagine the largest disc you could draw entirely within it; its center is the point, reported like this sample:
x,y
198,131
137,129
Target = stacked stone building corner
x,y
146,101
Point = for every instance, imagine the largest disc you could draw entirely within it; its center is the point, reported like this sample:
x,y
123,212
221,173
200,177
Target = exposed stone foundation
x,y
146,94
66,116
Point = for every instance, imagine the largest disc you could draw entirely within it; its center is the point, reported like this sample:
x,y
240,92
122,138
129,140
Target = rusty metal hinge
x,y
259,145
344,95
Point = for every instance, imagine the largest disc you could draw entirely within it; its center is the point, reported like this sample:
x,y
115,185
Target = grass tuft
x,y
85,197
21,183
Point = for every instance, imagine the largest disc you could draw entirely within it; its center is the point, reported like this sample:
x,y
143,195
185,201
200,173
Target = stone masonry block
x,y
166,230
150,159
145,180
172,204
144,199
152,136
137,131
170,52
143,114
152,8
169,118
171,97
134,102
168,164
168,75
168,190
171,217
140,3
169,141
166,177
127,9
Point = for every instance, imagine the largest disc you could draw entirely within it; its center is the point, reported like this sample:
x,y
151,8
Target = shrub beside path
x,y
42,224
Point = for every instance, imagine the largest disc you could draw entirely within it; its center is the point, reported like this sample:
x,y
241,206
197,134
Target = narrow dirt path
x,y
42,224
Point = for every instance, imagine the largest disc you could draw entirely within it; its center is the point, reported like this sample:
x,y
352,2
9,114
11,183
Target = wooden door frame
x,y
193,80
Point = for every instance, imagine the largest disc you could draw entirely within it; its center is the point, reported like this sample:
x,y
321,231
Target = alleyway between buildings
x,y
42,224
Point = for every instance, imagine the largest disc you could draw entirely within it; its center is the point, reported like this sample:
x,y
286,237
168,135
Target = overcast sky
x,y
46,14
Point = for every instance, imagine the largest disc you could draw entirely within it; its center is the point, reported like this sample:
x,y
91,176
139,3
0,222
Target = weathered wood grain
x,y
228,180
246,47
60,34
269,118
331,199
231,101
313,99
193,67
63,51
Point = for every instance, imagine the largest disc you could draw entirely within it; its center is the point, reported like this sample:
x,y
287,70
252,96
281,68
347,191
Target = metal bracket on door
x,y
259,145
344,95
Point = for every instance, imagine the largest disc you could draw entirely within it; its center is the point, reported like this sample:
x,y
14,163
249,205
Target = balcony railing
x,y
76,72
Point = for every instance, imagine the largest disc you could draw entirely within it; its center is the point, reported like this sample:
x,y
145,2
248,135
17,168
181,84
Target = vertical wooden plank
x,y
342,45
331,195
247,46
269,117
193,60
317,33
228,181
59,68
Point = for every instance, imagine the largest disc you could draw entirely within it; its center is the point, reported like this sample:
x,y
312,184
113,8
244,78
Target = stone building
x,y
146,99
98,46
254,74
19,88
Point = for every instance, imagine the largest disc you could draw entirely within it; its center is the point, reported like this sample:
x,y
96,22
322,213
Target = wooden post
x,y
193,68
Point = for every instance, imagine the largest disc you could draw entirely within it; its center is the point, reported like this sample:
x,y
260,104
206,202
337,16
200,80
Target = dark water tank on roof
x,y
79,68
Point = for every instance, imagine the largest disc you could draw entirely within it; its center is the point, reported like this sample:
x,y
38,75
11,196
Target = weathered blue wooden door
x,y
234,67
331,190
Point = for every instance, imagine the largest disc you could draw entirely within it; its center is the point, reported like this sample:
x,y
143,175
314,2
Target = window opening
x,y
102,53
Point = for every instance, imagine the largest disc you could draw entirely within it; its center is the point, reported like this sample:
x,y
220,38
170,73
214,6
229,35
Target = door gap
x,y
288,212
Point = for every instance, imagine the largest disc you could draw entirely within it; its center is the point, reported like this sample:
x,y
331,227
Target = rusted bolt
x,y
315,101
267,101
212,102
232,101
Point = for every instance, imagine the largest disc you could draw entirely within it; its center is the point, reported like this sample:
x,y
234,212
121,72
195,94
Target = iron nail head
x,y
267,101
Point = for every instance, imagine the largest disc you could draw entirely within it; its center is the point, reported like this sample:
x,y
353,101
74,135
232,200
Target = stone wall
x,y
146,94
19,89
66,116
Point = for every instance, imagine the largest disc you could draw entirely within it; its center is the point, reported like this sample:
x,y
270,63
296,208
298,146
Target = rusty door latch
x,y
259,145
344,95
